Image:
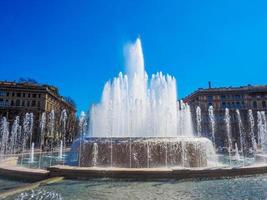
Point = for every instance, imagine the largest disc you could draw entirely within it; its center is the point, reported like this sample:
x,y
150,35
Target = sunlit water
x,y
235,188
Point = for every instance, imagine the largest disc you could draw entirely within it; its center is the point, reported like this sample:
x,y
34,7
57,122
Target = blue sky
x,y
78,45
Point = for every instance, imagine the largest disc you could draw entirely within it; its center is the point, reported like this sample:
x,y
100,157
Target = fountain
x,y
31,160
261,155
138,115
237,155
14,135
251,131
42,129
95,154
227,120
241,135
82,131
198,114
212,124
138,130
60,153
4,136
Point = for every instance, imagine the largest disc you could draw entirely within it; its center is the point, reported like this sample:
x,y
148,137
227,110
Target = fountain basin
x,y
144,152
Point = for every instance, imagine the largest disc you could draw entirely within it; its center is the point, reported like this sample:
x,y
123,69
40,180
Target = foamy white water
x,y
134,106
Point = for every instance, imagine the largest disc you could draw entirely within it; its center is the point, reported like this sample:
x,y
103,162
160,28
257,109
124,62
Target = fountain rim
x,y
149,137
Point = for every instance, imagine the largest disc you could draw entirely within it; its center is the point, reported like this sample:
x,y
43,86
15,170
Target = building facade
x,y
17,99
242,98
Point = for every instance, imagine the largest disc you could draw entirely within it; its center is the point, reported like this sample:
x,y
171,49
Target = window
x,y
210,98
23,103
263,104
7,94
238,105
233,104
28,103
39,95
223,105
23,94
255,104
12,103
2,103
2,93
18,94
13,94
33,95
237,97
33,103
17,102
29,95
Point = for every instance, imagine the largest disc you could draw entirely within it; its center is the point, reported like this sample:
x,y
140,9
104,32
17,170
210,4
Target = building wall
x,y
242,98
16,99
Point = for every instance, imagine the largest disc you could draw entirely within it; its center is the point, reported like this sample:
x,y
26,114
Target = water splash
x,y
52,122
42,128
241,134
262,130
4,137
132,106
14,135
32,154
251,130
95,154
27,130
60,153
82,131
199,119
39,194
227,120
212,124
63,121
237,155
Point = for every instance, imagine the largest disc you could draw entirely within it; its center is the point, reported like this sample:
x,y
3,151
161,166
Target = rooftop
x,y
247,88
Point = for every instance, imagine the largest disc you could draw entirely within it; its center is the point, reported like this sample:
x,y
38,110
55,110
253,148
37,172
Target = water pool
x,y
250,187
7,184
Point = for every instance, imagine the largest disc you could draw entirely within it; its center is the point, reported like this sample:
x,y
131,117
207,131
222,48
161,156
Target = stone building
x,y
17,99
233,98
